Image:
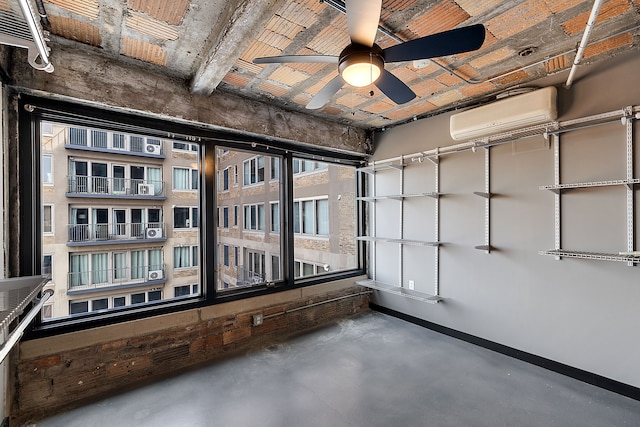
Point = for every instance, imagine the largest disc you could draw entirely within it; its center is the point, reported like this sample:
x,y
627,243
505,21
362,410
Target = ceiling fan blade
x,y
363,17
325,94
329,59
394,88
450,42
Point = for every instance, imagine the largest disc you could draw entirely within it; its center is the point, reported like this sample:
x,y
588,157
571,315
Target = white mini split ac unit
x,y
516,112
146,189
155,274
152,149
154,233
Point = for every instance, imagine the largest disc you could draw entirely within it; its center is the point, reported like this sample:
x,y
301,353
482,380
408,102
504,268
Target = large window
x,y
301,166
225,217
275,216
185,146
47,219
225,255
275,168
225,180
185,256
311,216
244,249
273,220
324,218
120,199
47,170
254,217
185,217
185,179
254,170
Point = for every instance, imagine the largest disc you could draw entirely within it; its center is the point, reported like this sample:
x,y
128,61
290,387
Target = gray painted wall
x,y
582,313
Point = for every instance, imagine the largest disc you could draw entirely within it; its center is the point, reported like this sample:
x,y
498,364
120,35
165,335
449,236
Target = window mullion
x,y
288,220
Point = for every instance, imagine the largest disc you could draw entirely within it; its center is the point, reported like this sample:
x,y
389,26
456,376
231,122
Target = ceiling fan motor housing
x,y
357,54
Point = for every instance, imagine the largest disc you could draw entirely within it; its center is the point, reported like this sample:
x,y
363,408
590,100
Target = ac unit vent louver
x,y
155,275
507,114
154,233
152,149
20,26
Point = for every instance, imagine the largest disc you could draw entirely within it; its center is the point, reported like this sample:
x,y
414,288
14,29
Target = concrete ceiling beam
x,y
246,19
88,76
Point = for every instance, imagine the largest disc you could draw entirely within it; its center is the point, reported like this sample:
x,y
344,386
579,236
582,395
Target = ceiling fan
x,y
362,62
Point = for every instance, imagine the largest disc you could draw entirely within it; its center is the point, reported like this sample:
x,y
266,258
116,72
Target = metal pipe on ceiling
x,y
591,22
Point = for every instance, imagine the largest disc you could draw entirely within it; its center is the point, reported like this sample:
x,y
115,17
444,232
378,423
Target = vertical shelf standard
x,y
373,238
630,256
487,203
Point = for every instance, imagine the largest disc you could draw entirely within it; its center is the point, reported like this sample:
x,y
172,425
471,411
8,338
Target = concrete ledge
x,y
74,340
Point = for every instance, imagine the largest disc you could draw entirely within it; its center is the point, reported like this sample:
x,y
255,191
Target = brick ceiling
x,y
210,44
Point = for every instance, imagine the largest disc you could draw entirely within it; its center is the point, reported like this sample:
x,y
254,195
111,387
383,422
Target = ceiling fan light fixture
x,y
360,65
361,74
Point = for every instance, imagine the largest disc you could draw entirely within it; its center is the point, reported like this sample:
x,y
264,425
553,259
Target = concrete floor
x,y
373,370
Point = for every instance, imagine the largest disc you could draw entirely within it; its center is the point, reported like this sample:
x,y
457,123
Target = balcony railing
x,y
103,140
119,187
81,280
247,277
100,233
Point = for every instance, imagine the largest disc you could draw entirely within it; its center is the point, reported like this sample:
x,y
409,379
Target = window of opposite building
x,y
253,170
185,179
185,217
133,240
324,217
185,257
251,211
112,252
47,219
254,217
47,169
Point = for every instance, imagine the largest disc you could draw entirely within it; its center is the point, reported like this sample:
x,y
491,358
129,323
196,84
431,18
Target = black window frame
x,y
33,109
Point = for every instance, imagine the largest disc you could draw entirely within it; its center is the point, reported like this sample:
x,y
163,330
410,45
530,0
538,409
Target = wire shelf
x,y
397,290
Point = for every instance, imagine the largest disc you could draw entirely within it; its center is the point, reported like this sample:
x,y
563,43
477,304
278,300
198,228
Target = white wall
x,y
582,313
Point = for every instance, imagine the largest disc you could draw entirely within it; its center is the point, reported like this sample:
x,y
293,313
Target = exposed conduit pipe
x,y
304,307
584,42
24,323
44,20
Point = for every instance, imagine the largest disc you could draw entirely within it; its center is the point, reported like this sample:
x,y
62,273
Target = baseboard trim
x,y
570,371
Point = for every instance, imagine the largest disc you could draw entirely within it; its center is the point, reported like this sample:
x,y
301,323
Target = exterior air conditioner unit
x,y
152,149
154,233
145,189
507,114
155,274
